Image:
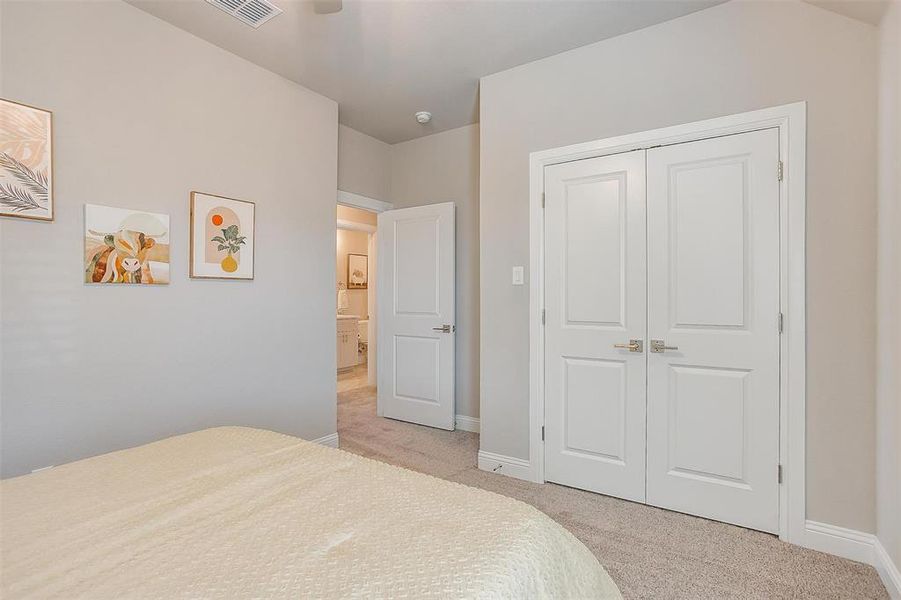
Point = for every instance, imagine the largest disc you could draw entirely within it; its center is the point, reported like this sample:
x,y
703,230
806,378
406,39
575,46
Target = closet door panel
x,y
595,298
713,378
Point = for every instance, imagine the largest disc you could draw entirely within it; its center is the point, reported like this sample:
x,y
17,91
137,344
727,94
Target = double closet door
x,y
662,327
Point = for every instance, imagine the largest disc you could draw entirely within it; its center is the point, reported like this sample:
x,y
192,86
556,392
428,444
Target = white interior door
x,y
595,281
416,315
713,283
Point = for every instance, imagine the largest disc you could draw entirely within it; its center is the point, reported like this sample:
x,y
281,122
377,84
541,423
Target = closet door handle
x,y
658,346
632,346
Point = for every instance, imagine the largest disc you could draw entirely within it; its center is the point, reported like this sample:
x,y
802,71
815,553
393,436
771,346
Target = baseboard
x,y
888,570
330,440
467,423
847,543
854,545
505,465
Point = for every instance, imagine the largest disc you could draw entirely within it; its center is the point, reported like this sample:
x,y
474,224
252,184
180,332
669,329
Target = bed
x,y
234,512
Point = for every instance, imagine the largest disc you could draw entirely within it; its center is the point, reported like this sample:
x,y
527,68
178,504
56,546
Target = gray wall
x,y
440,168
735,57
888,406
143,114
364,164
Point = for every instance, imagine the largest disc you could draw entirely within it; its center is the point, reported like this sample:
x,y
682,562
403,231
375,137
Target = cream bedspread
x,y
240,513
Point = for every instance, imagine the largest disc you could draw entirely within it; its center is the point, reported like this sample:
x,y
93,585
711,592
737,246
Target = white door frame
x,y
377,206
365,202
791,121
354,226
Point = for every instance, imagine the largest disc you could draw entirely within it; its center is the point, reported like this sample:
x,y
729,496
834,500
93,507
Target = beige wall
x,y
353,242
735,57
356,215
364,164
143,114
440,168
888,400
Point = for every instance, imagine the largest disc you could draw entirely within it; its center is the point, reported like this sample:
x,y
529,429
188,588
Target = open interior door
x,y
416,325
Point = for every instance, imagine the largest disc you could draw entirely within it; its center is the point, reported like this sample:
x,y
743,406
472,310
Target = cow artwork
x,y
125,246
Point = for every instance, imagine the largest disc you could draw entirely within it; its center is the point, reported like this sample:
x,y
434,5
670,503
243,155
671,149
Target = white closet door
x,y
713,279
595,273
416,327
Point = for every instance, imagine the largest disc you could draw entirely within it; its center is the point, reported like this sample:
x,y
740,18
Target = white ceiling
x,y
383,60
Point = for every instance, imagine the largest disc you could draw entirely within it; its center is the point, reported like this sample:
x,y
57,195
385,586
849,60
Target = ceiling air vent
x,y
249,12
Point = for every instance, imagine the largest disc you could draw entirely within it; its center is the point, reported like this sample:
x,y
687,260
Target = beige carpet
x,y
650,553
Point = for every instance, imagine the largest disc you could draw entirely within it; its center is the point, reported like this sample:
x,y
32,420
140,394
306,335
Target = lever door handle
x,y
444,328
658,346
632,346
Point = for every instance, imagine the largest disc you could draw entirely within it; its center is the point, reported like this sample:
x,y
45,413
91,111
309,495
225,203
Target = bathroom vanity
x,y
348,327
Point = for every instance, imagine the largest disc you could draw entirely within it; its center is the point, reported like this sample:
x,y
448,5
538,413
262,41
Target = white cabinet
x,y
347,343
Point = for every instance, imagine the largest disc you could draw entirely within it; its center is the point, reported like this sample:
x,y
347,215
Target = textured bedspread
x,y
240,513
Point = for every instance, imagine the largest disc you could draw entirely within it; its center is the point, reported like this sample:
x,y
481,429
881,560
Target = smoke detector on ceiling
x,y
423,117
249,12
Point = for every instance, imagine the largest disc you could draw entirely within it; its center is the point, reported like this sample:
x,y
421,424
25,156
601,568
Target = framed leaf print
x,y
222,237
26,161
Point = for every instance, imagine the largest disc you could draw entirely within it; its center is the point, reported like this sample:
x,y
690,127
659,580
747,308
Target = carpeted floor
x,y
649,552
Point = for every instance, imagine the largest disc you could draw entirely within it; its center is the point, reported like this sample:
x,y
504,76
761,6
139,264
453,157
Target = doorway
x,y
407,340
355,301
669,337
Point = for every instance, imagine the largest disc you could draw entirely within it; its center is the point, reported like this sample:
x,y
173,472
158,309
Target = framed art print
x,y
357,271
26,161
122,245
222,237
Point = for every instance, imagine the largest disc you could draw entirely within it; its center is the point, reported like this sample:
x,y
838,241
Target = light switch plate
x,y
518,276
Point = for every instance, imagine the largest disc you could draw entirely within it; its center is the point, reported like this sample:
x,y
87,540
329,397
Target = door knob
x,y
658,346
444,328
632,346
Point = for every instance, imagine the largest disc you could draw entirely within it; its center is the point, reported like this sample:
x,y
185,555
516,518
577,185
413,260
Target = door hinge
x,y
542,433
781,322
543,316
780,170
542,199
779,473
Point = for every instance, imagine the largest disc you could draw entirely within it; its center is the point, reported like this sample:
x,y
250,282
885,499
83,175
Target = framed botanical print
x,y
357,271
26,161
222,237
